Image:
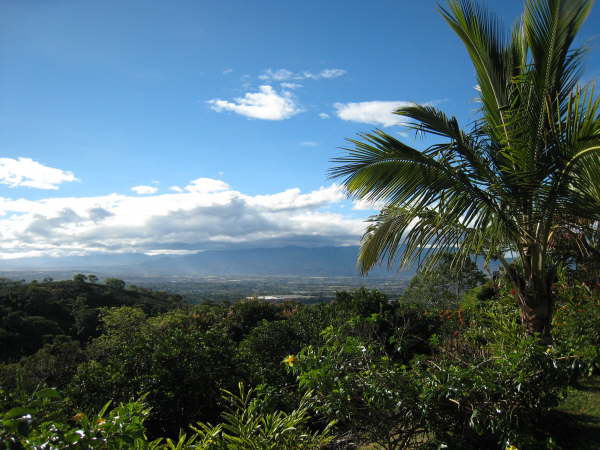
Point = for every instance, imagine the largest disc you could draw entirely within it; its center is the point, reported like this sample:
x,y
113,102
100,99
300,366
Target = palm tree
x,y
528,168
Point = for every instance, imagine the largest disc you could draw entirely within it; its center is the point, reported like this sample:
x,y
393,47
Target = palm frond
x,y
530,164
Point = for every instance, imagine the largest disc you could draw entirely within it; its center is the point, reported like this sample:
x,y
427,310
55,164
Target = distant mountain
x,y
299,261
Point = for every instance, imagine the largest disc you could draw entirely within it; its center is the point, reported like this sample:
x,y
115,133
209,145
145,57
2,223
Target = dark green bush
x,y
576,326
171,358
356,384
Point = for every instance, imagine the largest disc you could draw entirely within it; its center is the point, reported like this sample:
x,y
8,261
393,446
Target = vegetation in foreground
x,y
449,365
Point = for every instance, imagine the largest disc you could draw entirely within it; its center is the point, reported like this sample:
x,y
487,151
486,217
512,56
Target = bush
x,y
492,385
172,358
357,385
51,366
33,426
576,326
247,425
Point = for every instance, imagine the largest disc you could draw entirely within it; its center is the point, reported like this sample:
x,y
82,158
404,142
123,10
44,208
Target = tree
x,y
79,278
92,278
115,283
529,166
442,286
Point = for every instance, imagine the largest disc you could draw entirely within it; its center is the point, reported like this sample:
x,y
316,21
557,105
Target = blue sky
x,y
223,115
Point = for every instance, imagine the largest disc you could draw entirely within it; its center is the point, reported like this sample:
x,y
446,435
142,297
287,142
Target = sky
x,y
176,127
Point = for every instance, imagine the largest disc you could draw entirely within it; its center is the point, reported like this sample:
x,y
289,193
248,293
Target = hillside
x,y
31,313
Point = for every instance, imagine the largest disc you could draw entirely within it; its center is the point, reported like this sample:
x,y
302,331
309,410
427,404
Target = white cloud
x,y
208,214
29,173
324,115
265,104
327,73
206,185
170,252
375,112
285,74
294,199
309,144
288,85
176,189
279,75
144,189
366,205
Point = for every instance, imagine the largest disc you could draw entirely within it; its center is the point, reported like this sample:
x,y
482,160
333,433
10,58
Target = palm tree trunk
x,y
533,286
536,315
533,289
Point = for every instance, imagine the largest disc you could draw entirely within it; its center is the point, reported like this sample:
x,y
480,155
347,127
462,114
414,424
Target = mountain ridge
x,y
291,260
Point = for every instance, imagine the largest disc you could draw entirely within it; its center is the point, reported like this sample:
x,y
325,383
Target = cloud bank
x,y
205,214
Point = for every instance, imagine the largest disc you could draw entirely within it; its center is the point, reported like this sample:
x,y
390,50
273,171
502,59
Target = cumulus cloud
x,y
98,214
375,112
144,189
26,172
323,115
205,214
206,185
285,74
266,104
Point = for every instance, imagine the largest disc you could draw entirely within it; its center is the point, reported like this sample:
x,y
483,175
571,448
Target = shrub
x,y
35,425
247,425
576,326
362,389
493,385
172,358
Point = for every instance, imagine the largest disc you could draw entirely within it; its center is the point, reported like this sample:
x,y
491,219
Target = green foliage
x,y
577,325
115,283
490,384
264,347
172,358
28,427
92,278
247,425
53,365
246,314
362,389
79,278
32,315
391,374
121,428
443,284
19,417
482,383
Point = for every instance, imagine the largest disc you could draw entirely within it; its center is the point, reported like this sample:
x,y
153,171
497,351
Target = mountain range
x,y
296,261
